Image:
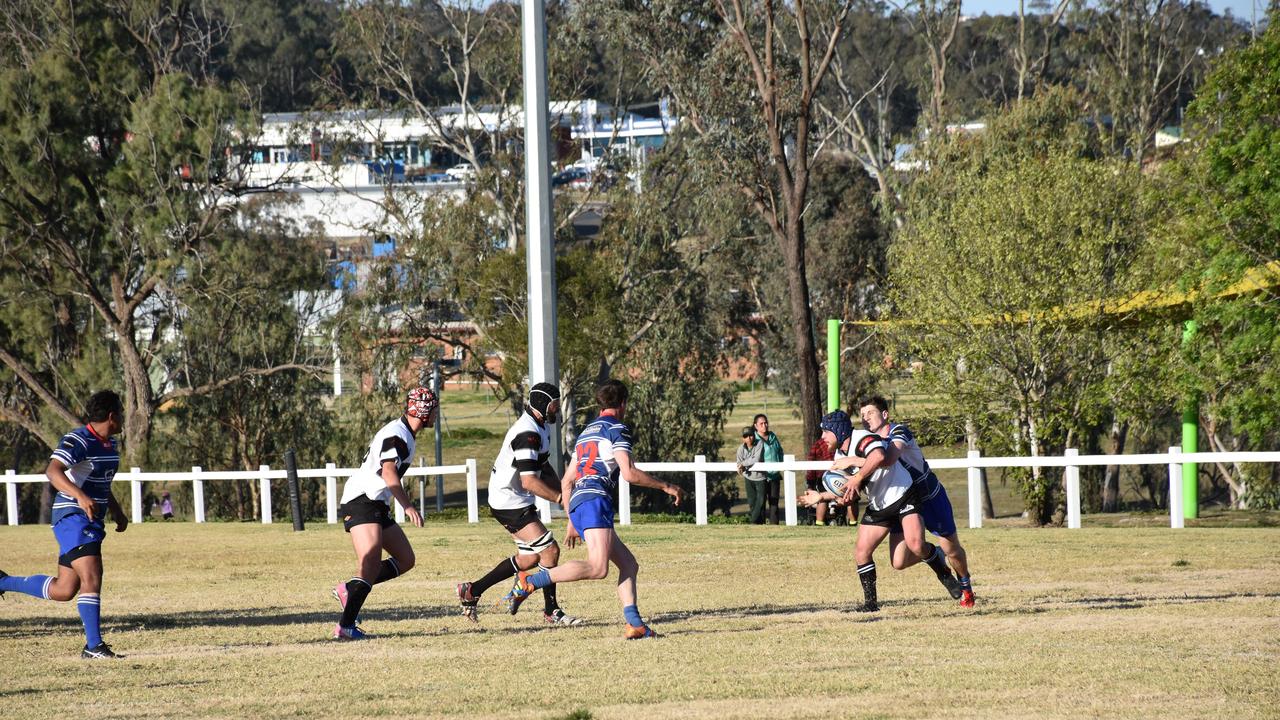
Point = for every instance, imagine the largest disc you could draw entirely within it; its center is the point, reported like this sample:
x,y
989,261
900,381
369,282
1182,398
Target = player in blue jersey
x,y
81,469
601,455
935,506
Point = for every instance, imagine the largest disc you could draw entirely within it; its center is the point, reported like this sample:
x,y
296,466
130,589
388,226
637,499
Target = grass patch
x,y
232,620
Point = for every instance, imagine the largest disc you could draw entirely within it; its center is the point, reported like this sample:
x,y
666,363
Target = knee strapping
x,y
535,547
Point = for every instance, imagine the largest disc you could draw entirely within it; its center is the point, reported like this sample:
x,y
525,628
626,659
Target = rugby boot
x,y
966,599
638,633
101,651
348,633
468,602
520,591
560,617
340,594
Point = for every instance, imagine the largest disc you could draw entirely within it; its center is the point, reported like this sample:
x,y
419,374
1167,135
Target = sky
x,y
1240,8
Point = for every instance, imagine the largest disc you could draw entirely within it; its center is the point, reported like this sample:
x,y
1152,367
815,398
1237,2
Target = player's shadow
x,y
231,617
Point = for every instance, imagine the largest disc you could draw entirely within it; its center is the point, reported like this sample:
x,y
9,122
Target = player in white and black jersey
x,y
891,498
366,509
935,506
522,471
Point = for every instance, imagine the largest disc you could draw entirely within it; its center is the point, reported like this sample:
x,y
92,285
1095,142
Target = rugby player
x,y
520,472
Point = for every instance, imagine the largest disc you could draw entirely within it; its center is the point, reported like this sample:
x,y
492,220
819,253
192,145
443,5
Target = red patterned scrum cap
x,y
421,403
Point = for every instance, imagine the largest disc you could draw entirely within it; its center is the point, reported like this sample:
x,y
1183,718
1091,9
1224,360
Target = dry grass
x,y
232,620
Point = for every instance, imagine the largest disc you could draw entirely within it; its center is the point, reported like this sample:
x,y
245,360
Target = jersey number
x,y
588,453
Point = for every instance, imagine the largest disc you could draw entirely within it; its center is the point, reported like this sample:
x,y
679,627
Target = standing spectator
x,y
772,452
749,453
166,506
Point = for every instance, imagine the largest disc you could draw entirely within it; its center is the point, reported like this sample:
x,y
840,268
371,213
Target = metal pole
x,y
833,364
539,241
1190,436
435,387
295,498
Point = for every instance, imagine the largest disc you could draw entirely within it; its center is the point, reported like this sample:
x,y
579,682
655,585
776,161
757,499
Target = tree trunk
x,y
46,504
802,325
1111,480
138,399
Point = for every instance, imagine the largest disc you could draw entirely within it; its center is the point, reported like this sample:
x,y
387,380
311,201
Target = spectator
x,y
772,452
749,453
166,506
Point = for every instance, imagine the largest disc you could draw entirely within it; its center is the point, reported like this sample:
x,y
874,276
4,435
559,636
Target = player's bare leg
x,y
869,537
367,541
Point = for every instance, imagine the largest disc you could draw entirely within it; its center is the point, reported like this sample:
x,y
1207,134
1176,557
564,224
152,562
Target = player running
x,y
520,472
366,509
601,455
891,500
81,469
935,506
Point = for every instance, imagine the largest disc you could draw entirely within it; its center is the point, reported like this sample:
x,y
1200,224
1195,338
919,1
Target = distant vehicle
x,y
461,172
569,175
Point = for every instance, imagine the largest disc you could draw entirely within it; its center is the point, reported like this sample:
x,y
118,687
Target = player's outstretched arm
x,y
634,475
392,480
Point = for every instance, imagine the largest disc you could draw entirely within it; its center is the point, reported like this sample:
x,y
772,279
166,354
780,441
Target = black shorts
x,y
86,550
515,519
891,516
362,511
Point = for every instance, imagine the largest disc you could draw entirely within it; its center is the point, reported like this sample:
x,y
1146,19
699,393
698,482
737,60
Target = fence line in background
x,y
1071,461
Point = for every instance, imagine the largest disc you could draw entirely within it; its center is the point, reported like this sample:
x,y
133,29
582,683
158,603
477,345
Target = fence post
x,y
331,493
197,493
264,492
295,492
11,497
1175,489
135,493
789,489
473,499
1071,474
975,491
699,490
624,502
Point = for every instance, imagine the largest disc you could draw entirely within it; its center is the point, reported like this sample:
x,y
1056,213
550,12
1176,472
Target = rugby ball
x,y
834,481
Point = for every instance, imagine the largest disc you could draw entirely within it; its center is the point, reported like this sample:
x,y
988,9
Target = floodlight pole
x,y
540,253
833,365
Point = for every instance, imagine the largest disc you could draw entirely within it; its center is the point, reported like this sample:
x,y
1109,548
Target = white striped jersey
x,y
91,462
395,441
886,485
525,448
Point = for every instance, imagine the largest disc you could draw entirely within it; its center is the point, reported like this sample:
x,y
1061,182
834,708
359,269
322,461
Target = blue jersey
x,y
911,457
90,462
596,470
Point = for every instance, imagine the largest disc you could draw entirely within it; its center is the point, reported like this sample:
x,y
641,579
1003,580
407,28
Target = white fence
x,y
1071,461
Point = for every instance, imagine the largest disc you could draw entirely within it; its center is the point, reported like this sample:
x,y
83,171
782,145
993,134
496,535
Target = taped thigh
x,y
534,547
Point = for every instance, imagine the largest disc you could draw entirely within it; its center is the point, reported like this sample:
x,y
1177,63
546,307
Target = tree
x,y
1227,230
1012,241
117,160
746,77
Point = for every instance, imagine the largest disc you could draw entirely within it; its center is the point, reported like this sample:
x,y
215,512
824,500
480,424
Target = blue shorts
x,y
937,514
594,512
76,530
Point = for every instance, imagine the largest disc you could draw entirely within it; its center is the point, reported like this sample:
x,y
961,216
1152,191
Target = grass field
x,y
231,620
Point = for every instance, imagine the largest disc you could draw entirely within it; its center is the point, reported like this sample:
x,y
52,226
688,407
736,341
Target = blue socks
x,y
90,608
633,616
37,586
965,583
540,579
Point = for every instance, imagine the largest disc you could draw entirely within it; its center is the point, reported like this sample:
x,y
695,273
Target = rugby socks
x,y
90,607
549,594
502,571
357,590
632,614
867,576
540,579
938,561
390,570
966,584
37,586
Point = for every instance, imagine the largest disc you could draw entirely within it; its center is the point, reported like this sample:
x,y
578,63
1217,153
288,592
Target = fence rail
x,y
1071,461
